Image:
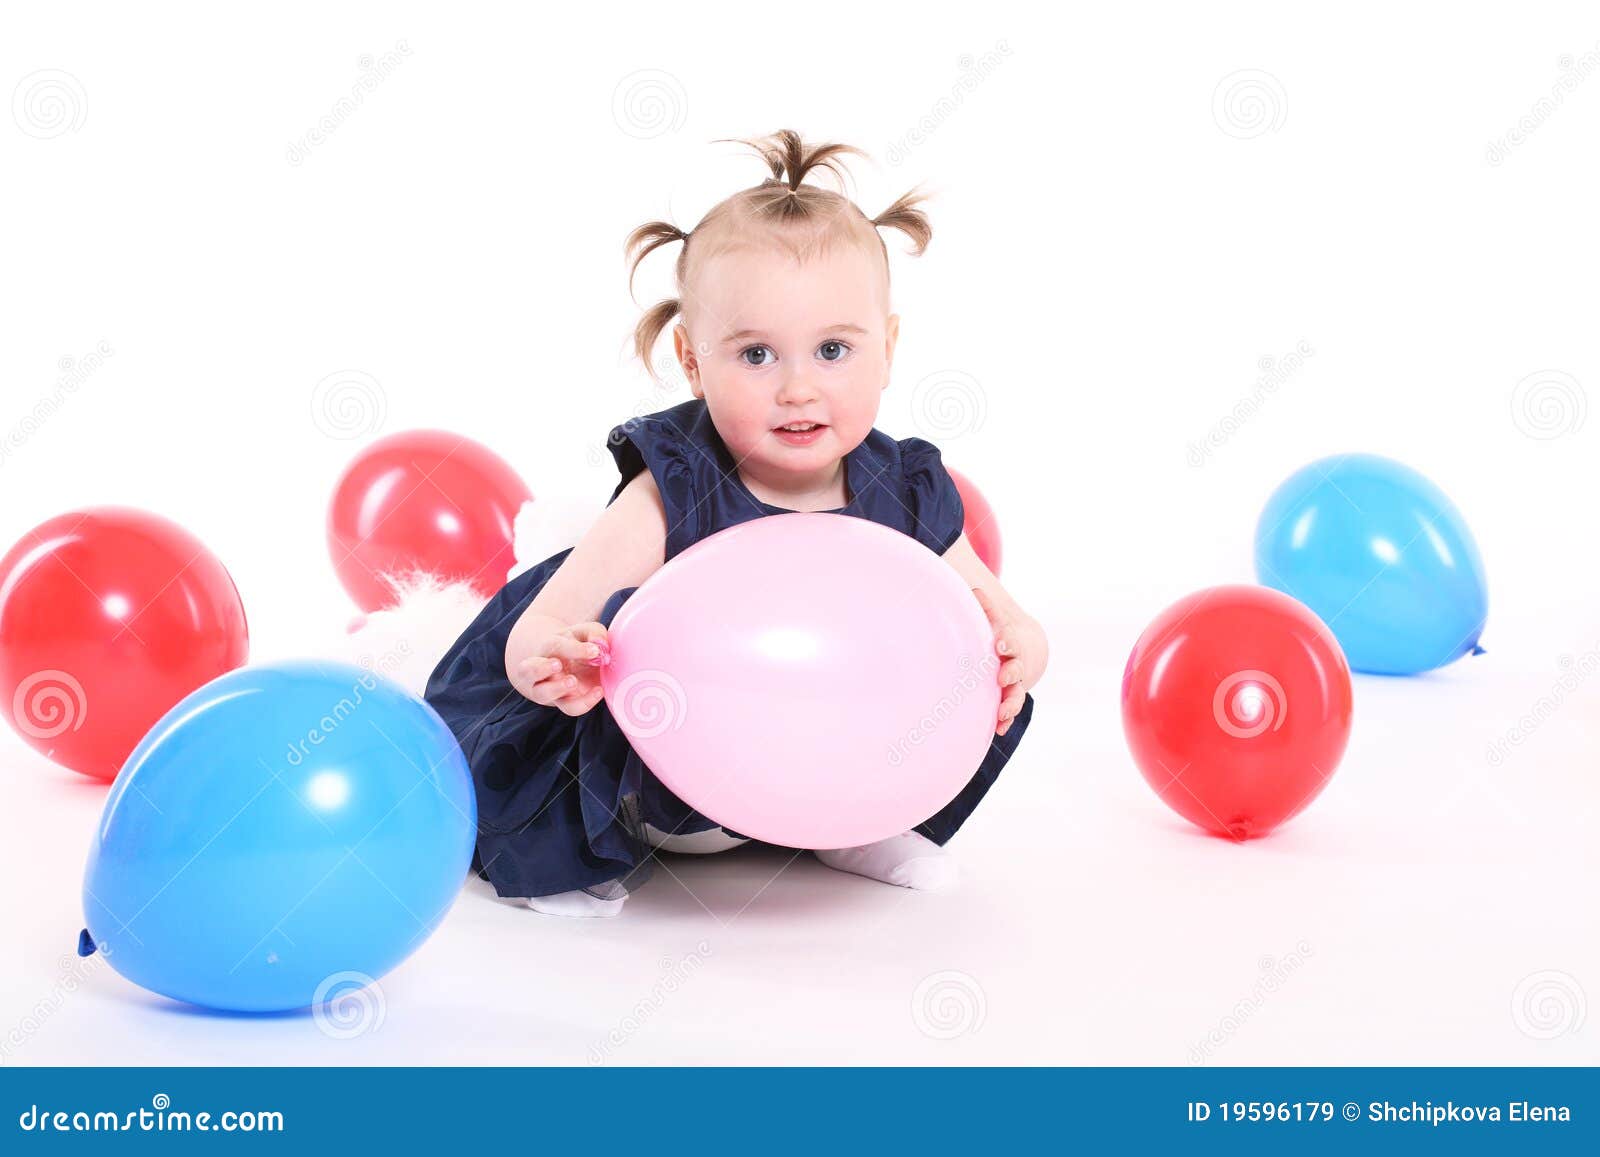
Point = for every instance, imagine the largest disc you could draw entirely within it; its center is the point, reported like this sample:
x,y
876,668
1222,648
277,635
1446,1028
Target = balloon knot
x,y
604,658
1477,650
86,945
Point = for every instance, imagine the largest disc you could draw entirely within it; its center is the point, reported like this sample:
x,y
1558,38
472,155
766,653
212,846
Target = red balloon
x,y
1236,705
423,500
108,617
979,524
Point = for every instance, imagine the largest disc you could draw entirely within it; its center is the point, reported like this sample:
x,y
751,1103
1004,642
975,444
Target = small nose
x,y
797,389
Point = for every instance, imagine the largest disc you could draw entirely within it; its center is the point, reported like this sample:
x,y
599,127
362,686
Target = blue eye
x,y
832,351
745,353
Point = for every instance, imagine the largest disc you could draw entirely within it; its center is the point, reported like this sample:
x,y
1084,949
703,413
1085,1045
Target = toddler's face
x,y
769,342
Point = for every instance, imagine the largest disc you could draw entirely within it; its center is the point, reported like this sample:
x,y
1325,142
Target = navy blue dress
x,y
562,800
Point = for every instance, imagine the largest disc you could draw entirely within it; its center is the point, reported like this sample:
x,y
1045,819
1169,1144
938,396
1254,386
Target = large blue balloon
x,y
284,834
1382,556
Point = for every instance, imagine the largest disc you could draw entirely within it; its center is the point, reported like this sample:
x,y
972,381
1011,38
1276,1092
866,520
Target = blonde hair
x,y
781,202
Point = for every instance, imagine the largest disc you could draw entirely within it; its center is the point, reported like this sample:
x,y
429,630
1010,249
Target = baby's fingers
x,y
1009,707
581,704
999,622
574,650
590,632
550,691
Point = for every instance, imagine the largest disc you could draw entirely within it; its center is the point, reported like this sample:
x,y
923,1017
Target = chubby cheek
x,y
858,416
855,409
740,419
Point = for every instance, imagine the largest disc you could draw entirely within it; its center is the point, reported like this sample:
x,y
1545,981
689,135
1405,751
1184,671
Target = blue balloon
x,y
1382,556
286,834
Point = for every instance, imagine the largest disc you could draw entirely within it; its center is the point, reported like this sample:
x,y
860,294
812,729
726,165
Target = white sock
x,y
907,860
582,902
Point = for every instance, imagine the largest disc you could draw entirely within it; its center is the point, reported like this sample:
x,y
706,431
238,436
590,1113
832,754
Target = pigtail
x,y
645,240
790,159
906,217
648,331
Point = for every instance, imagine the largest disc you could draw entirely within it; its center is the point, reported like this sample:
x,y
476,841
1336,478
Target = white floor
x,y
1429,908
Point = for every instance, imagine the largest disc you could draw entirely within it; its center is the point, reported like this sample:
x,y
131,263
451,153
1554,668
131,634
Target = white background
x,y
1117,247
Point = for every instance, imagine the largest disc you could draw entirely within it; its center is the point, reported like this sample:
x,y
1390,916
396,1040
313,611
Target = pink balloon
x,y
812,680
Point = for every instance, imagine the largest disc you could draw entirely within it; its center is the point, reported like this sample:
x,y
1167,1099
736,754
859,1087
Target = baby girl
x,y
784,333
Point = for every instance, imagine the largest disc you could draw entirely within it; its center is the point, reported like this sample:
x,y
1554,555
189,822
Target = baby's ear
x,y
690,364
891,335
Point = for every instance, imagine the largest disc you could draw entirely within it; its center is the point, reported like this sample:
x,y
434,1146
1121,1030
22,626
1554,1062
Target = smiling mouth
x,y
800,427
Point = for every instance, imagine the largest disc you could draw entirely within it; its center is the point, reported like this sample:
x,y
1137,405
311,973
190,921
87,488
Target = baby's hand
x,y
1008,644
565,670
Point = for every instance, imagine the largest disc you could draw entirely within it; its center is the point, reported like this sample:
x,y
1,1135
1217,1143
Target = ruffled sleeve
x,y
649,443
931,496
